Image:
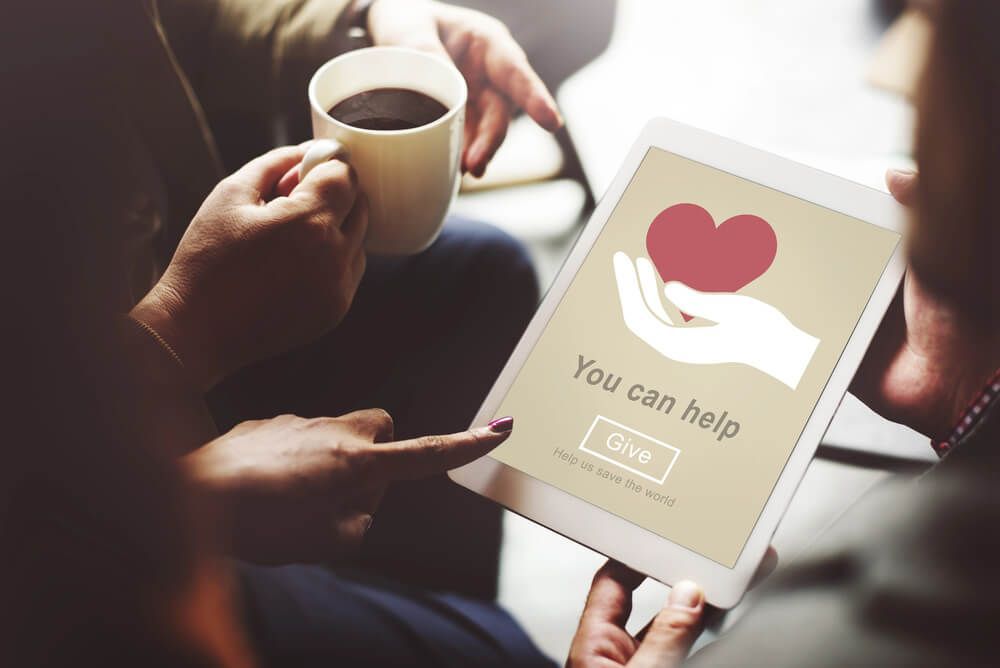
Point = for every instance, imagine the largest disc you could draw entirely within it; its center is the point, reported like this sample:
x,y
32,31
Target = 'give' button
x,y
631,450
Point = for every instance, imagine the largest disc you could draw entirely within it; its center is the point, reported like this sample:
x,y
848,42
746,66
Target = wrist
x,y
966,422
965,393
160,313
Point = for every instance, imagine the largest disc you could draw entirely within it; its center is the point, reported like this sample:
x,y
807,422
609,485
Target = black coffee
x,y
388,109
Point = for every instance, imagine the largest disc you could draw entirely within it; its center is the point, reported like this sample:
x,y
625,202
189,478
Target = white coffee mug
x,y
410,176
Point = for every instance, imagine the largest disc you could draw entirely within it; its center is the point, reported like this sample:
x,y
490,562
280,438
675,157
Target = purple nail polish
x,y
501,425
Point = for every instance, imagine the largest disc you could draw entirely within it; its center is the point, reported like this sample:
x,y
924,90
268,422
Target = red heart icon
x,y
685,245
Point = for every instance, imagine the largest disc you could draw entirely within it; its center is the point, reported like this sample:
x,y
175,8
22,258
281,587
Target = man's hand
x,y
926,361
601,640
257,274
298,490
499,76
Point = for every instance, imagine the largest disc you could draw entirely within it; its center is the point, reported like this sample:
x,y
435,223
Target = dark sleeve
x,y
249,63
909,577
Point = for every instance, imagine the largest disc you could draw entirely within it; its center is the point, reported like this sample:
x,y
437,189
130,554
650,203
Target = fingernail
x,y
475,157
502,425
902,171
368,524
560,121
685,594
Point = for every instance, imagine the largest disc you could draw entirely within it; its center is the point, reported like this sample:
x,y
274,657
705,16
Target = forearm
x,y
173,411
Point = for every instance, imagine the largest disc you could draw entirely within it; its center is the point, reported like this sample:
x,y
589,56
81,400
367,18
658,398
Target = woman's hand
x,y
257,274
602,641
499,76
926,362
298,490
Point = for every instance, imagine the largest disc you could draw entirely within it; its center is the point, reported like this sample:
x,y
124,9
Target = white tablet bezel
x,y
611,534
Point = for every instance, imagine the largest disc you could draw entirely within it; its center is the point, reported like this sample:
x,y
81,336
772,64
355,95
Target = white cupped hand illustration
x,y
746,330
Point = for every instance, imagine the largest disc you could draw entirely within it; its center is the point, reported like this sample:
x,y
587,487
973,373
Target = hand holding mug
x,y
411,174
464,60
498,73
257,274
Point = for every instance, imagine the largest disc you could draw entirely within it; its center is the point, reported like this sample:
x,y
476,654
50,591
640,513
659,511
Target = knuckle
x,y
674,622
313,423
483,34
363,460
306,230
381,419
338,181
324,421
281,153
316,227
476,437
229,188
431,444
490,26
283,209
321,424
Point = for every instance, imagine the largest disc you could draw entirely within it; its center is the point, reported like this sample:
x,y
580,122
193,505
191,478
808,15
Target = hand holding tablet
x,y
680,373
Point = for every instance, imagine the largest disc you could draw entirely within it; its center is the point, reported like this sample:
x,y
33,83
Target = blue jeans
x,y
425,339
306,616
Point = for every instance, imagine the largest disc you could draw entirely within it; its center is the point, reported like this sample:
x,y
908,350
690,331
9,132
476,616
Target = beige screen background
x,y
826,267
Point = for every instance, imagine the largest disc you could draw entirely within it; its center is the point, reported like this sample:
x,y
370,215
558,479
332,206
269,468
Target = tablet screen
x,y
675,376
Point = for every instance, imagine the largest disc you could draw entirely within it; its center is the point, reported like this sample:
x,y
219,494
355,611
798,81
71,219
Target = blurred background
x,y
796,78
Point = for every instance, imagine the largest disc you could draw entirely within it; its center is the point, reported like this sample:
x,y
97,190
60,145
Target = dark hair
x,y
955,247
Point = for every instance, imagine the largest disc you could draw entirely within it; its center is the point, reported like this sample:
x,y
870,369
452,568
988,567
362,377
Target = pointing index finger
x,y
430,455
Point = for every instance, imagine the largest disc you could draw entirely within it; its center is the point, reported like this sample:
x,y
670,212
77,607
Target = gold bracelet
x,y
159,339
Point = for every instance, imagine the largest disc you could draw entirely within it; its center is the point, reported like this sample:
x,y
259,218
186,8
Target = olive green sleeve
x,y
249,63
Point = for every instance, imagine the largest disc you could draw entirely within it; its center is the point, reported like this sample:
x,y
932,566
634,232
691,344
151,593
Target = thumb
x,y
673,631
903,185
262,174
714,306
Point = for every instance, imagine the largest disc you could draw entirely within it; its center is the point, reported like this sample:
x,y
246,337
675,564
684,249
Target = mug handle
x,y
322,150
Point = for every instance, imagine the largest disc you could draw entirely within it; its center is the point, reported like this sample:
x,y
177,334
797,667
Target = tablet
x,y
677,378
